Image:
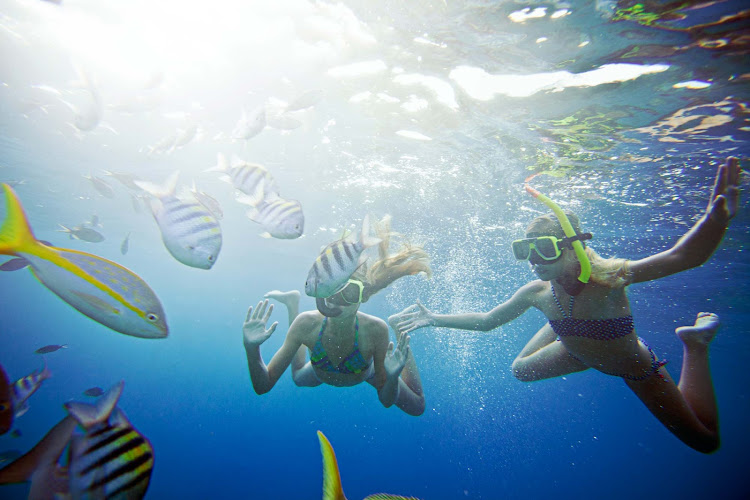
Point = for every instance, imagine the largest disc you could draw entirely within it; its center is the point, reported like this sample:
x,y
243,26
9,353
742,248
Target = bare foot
x,y
702,332
289,299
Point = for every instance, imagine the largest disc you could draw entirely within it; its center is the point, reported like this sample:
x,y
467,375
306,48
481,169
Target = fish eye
x,y
4,406
210,258
152,317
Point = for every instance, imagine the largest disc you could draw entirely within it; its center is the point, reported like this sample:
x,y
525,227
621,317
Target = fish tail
x,y
89,415
15,233
222,165
168,189
332,489
45,373
364,237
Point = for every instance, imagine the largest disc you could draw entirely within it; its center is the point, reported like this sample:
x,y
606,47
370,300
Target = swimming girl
x,y
346,346
590,324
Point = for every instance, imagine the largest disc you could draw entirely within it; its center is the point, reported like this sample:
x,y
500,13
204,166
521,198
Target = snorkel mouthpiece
x,y
567,228
325,309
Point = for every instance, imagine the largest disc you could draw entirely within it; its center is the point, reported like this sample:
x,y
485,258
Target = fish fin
x,y
388,496
89,415
168,189
364,238
41,459
15,264
15,233
265,235
254,199
21,410
45,373
96,302
332,489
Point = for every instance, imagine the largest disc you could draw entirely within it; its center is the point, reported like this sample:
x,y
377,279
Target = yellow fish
x,y
102,290
332,489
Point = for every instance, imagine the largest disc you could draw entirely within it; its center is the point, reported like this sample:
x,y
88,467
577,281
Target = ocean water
x,y
433,112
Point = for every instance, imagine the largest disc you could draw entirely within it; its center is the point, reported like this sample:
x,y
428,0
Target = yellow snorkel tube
x,y
567,229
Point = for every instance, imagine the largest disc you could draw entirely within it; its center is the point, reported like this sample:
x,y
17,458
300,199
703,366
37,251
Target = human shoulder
x,y
304,323
532,290
372,325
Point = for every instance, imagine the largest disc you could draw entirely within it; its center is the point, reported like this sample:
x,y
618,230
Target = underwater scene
x,y
428,249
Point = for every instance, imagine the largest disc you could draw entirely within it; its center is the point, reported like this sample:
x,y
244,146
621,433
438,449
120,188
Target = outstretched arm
x,y
418,316
254,334
697,245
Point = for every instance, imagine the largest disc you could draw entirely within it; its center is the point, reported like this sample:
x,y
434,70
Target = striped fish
x,y
111,460
279,218
102,290
332,488
337,262
189,230
251,179
24,387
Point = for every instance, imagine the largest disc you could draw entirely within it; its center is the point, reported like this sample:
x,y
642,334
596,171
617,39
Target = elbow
x,y
261,389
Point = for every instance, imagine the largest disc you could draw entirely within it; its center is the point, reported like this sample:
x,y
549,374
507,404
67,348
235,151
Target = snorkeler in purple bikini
x,y
590,321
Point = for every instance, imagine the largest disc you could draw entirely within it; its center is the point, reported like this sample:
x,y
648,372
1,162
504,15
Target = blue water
x,y
635,159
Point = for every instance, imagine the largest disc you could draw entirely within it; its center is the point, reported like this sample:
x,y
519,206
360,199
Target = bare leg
x,y
689,409
543,357
291,301
305,375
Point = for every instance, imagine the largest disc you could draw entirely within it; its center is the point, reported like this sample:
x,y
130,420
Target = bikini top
x,y
351,364
598,329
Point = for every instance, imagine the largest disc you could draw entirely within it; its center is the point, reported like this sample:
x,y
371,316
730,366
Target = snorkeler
x,y
590,321
346,346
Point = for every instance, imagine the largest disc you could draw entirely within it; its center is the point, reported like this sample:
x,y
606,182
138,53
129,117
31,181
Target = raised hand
x,y
254,329
412,318
725,197
395,359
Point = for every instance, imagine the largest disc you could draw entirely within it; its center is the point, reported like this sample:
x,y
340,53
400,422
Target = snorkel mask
x,y
350,292
567,227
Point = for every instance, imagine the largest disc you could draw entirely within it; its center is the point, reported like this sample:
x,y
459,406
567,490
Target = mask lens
x,y
547,247
352,292
521,249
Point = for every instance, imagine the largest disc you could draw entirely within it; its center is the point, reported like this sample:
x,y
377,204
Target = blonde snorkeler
x,y
346,347
590,321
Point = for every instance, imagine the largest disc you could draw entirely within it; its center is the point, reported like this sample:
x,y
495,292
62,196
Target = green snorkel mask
x,y
567,228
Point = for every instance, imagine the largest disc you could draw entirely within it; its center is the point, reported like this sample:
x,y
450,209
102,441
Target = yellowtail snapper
x,y
98,288
332,488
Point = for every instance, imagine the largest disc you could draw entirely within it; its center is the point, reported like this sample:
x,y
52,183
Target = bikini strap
x,y
323,327
557,301
356,332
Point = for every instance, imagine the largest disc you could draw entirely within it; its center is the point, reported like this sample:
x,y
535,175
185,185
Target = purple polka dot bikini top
x,y
598,329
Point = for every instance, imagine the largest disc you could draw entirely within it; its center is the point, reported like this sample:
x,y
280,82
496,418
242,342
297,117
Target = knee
x,y
419,407
522,372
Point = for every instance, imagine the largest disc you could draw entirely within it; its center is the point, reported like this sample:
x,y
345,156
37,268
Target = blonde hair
x,y
611,272
409,260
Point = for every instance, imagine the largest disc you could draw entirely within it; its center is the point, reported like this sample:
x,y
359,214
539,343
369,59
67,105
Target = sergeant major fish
x,y
251,179
24,387
98,288
112,459
279,218
189,231
337,262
